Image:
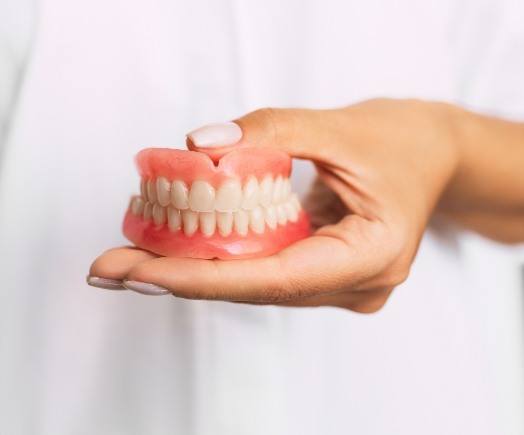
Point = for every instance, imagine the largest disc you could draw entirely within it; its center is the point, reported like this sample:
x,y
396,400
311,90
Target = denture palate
x,y
232,207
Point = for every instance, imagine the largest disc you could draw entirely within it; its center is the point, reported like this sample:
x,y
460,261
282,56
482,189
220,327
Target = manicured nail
x,y
216,135
146,288
105,283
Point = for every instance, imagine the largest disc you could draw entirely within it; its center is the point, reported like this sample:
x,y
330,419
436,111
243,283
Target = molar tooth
x,y
225,223
277,190
163,187
291,211
251,194
207,223
147,211
229,196
256,220
266,191
159,214
295,201
270,215
143,189
281,215
174,220
202,196
151,191
286,189
190,221
137,205
241,222
179,195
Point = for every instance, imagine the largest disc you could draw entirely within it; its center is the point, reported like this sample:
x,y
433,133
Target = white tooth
x,y
266,191
241,222
225,223
229,196
174,220
179,195
256,220
163,187
291,211
147,211
137,205
277,190
143,189
281,215
286,189
270,215
250,194
295,201
159,214
190,221
207,223
201,196
151,191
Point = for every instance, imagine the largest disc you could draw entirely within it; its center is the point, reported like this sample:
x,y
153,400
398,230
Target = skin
x,y
385,167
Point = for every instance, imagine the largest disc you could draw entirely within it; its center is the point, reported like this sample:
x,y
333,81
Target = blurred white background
x,y
84,85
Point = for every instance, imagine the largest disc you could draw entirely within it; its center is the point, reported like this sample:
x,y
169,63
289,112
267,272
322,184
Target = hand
x,y
382,168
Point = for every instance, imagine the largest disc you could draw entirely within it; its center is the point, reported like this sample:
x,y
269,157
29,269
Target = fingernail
x,y
146,288
105,283
216,135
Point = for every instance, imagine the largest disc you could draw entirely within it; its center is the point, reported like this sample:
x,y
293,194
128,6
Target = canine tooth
x,y
266,191
270,216
281,215
190,221
277,190
256,220
163,193
286,189
179,195
241,222
174,220
147,211
229,196
137,205
201,196
143,189
225,223
151,191
250,194
291,211
207,223
159,214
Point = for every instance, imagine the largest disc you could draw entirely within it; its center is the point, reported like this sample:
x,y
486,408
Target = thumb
x,y
301,133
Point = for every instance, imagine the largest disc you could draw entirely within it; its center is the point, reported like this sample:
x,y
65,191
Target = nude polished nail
x,y
216,135
146,288
105,283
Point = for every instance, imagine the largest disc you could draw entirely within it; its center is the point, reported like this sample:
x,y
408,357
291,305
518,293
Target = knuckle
x,y
277,121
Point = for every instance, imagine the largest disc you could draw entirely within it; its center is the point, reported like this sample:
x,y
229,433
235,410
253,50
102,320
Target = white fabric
x,y
106,78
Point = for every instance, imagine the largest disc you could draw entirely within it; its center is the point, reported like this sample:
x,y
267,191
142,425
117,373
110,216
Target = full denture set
x,y
190,207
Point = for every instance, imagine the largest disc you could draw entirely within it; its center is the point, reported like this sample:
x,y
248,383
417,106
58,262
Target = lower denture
x,y
188,207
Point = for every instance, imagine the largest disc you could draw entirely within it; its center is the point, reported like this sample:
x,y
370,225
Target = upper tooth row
x,y
230,196
225,223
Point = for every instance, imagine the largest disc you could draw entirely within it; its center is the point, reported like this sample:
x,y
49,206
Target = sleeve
x,y
488,45
16,30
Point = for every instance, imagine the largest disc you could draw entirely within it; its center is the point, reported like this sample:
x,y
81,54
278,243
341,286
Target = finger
x,y
338,258
301,133
116,263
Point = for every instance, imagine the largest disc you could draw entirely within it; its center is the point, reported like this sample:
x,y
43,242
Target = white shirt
x,y
106,78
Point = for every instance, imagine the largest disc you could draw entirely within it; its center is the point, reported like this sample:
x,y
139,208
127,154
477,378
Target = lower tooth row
x,y
224,222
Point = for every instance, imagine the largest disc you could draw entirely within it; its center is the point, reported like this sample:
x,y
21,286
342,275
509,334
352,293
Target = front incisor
x,y
228,196
201,196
